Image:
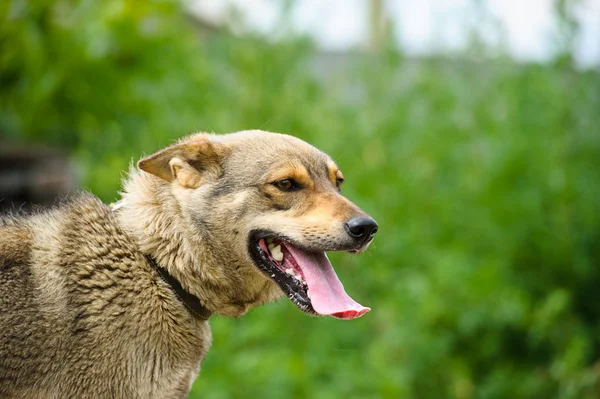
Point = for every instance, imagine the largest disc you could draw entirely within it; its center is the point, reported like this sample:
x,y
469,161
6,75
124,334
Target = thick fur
x,y
82,312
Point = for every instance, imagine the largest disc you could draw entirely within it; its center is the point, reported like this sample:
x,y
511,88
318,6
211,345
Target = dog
x,y
100,301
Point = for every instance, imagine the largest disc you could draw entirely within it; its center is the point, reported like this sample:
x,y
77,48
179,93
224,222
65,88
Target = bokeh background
x,y
469,129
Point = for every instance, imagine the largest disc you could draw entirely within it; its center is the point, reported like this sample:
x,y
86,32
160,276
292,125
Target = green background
x,y
483,173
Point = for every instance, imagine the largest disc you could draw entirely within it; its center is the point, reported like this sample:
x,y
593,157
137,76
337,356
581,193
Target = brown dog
x,y
112,302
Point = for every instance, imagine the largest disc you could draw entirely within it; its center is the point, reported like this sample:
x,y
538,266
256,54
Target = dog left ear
x,y
189,162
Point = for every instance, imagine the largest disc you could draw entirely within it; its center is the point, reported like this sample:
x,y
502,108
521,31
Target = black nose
x,y
362,227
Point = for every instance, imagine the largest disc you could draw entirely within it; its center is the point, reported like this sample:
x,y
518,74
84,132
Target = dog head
x,y
266,207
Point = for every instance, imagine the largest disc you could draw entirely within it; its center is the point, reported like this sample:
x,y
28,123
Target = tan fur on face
x,y
84,314
289,171
334,173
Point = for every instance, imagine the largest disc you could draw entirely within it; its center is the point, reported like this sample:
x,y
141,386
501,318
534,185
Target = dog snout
x,y
362,228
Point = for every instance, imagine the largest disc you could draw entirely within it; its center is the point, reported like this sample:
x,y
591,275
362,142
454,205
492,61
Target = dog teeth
x,y
292,273
308,293
276,252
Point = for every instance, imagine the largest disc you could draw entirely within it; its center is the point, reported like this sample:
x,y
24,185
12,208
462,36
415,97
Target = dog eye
x,y
287,185
339,181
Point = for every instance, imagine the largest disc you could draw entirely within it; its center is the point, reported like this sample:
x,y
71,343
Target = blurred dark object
x,y
31,176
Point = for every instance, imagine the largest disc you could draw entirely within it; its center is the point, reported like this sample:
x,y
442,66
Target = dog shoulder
x,y
90,230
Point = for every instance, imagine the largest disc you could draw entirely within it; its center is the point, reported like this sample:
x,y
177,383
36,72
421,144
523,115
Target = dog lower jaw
x,y
294,289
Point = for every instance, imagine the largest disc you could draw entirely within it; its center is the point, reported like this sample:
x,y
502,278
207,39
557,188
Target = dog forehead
x,y
262,139
265,149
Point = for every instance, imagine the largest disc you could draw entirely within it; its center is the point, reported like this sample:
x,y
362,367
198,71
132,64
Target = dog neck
x,y
152,216
191,302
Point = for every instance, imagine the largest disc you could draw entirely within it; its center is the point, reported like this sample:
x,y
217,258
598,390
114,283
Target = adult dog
x,y
101,301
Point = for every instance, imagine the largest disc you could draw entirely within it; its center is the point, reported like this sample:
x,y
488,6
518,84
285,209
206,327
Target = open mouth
x,y
306,277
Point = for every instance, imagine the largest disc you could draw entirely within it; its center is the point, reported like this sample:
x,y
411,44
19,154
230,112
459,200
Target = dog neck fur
x,y
150,212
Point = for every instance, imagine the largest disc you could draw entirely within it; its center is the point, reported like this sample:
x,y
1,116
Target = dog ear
x,y
188,162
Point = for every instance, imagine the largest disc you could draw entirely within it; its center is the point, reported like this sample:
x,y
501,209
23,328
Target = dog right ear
x,y
189,162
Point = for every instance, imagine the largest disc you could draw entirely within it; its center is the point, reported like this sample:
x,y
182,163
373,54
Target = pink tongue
x,y
327,293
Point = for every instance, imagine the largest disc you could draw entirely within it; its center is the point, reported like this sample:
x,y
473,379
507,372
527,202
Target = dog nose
x,y
362,227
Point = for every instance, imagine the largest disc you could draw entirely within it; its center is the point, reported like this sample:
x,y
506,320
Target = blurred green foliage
x,y
484,176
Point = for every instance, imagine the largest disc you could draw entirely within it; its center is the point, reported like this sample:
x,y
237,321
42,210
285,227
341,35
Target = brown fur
x,y
82,312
